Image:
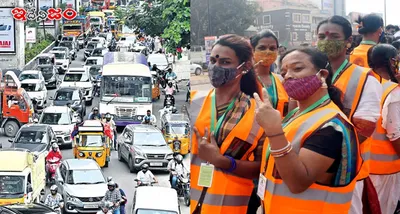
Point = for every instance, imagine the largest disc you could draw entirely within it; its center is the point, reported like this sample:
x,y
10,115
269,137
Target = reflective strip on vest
x,y
310,194
221,200
351,90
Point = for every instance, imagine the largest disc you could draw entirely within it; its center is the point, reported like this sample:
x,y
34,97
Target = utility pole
x,y
384,11
209,20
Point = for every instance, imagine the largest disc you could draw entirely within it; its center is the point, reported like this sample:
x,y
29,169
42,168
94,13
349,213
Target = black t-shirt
x,y
327,142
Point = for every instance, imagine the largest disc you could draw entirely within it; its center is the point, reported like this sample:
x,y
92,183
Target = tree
x,y
226,17
177,32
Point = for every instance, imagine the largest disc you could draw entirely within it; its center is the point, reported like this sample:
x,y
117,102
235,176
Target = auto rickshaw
x,y
92,142
46,59
176,126
155,91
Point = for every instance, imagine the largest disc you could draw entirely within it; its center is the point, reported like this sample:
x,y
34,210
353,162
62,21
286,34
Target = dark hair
x,y
396,44
149,110
341,21
388,27
320,61
369,23
243,50
116,185
263,34
379,56
282,46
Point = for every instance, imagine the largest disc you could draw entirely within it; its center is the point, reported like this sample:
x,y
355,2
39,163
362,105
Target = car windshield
x,y
91,140
11,185
95,19
128,89
75,78
67,95
44,61
103,35
92,176
46,70
122,39
180,129
91,62
55,119
29,77
97,52
60,55
67,39
31,137
66,44
158,59
151,211
149,138
30,87
71,27
91,45
94,70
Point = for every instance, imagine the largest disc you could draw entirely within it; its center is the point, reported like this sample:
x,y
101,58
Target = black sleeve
x,y
326,141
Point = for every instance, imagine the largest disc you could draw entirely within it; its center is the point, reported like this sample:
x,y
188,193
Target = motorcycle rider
x,y
169,90
54,198
113,195
53,154
149,118
175,168
108,119
145,175
171,74
188,92
95,115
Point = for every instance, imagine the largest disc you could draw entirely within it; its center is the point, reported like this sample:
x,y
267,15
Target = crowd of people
x,y
306,130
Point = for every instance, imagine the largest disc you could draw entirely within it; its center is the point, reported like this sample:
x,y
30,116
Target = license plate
x,y
155,164
91,206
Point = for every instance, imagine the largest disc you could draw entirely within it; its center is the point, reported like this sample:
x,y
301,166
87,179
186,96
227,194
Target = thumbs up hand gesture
x,y
267,117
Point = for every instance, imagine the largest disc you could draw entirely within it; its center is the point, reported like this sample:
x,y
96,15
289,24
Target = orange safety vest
x,y
359,56
282,98
384,159
317,198
228,193
352,82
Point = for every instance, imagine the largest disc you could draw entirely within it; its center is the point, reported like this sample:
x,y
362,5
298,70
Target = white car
x,y
31,75
79,77
100,40
62,121
93,60
36,89
62,61
160,60
145,196
196,69
126,42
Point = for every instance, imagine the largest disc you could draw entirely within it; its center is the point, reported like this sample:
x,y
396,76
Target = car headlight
x,y
138,153
99,154
72,198
169,156
139,117
81,154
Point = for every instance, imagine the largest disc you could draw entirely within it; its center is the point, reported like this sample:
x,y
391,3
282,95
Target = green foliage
x,y
122,14
234,17
32,51
148,18
63,6
177,32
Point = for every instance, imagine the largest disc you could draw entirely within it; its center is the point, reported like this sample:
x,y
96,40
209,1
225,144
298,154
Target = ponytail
x,y
249,84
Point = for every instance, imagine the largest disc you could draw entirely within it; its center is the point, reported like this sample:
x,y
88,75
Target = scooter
x,y
169,100
52,166
107,208
183,188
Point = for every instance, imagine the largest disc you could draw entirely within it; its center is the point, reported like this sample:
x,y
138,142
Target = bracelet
x,y
283,154
280,150
233,164
276,135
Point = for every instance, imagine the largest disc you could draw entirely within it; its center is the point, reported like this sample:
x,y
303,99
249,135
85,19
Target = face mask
x,y
219,76
302,88
266,57
332,48
144,170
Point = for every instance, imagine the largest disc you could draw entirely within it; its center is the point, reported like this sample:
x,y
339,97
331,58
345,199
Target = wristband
x,y
233,164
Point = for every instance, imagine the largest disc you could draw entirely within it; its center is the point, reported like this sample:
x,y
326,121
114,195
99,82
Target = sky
x,y
377,6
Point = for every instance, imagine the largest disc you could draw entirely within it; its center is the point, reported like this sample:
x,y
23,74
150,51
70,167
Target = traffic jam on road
x,y
99,125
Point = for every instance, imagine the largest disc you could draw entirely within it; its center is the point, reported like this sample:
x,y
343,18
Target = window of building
x,y
296,17
308,36
294,36
267,19
306,18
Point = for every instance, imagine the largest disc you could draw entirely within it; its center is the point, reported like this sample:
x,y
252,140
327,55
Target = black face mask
x,y
144,170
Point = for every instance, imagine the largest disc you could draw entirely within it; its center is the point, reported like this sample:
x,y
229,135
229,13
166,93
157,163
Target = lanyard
x,y
367,42
310,108
271,90
216,128
342,66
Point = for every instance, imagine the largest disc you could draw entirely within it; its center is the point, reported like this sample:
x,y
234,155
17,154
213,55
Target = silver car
x,y
140,144
82,184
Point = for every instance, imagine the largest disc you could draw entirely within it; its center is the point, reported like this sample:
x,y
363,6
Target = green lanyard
x,y
310,108
271,90
335,75
367,42
216,128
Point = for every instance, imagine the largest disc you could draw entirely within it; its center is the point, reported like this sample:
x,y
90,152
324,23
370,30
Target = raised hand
x,y
208,150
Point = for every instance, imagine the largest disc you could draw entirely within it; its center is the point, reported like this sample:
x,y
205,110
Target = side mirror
x,y
136,180
11,140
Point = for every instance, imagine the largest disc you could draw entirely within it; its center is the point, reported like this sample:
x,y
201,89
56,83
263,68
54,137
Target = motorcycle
x,y
142,183
107,208
183,188
174,86
52,166
169,100
96,89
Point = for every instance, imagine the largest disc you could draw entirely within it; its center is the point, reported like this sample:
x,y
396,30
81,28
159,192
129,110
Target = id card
x,y
206,175
262,184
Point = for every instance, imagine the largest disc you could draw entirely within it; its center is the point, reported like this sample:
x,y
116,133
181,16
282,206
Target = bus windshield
x,y
131,89
72,27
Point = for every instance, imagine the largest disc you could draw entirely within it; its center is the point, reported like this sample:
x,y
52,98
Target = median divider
x,y
31,64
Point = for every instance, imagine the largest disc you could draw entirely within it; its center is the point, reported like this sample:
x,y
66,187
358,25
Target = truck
x,y
97,19
79,26
22,176
109,4
97,3
16,108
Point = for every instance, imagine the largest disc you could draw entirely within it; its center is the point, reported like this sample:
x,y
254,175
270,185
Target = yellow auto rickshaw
x,y
92,143
155,91
176,127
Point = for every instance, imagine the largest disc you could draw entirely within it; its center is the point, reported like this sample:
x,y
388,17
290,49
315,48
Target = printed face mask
x,y
302,88
332,48
267,57
219,76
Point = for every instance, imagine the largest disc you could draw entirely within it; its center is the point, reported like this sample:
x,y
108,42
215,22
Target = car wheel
x,y
131,165
11,128
120,155
197,72
106,164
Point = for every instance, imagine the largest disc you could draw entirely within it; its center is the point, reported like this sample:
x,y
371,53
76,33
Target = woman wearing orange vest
x,y
385,142
361,92
226,132
371,28
310,164
265,46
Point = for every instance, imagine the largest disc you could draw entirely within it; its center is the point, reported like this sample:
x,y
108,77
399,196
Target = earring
x,y
324,85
